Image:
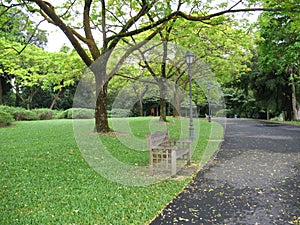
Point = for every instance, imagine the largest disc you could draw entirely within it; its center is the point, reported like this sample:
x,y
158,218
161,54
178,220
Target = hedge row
x,y
81,113
5,119
19,113
9,114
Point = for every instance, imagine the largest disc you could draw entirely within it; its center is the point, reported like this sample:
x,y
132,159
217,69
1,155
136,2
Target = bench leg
x,y
173,163
167,158
151,164
188,158
151,170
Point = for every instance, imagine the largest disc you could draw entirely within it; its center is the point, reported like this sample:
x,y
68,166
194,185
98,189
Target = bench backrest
x,y
157,138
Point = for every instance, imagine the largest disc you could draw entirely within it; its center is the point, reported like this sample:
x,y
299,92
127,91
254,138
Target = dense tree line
x,y
271,88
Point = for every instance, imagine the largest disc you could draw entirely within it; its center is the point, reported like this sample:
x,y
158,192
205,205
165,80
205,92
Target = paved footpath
x,y
253,180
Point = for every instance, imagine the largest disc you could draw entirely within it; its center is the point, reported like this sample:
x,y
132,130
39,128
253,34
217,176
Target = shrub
x,y
19,113
8,109
120,113
58,114
222,113
5,119
24,114
80,113
44,114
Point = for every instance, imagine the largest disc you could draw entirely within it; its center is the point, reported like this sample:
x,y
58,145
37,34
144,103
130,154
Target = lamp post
x,y
189,61
208,86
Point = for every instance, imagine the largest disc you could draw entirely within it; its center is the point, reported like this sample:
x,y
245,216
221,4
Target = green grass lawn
x,y
46,180
293,122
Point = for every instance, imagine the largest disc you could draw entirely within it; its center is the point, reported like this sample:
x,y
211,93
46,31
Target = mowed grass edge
x,y
45,180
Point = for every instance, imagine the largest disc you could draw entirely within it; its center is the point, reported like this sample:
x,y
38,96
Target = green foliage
x,y
24,114
17,26
44,114
80,113
239,102
8,109
134,28
114,113
36,69
225,47
19,113
5,119
278,48
60,114
278,43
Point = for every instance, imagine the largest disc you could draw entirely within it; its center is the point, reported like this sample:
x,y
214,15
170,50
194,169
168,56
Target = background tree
x,y
110,18
16,26
279,54
36,69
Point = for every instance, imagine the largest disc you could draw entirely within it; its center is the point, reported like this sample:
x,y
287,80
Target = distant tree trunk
x,y
27,101
175,112
294,101
30,97
292,71
162,101
18,100
140,95
178,97
141,107
55,98
177,105
27,105
162,86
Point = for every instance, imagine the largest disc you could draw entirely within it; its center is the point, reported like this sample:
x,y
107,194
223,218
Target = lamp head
x,y
189,57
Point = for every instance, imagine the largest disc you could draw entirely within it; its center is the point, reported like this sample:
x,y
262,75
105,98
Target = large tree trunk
x,y
163,110
162,101
101,117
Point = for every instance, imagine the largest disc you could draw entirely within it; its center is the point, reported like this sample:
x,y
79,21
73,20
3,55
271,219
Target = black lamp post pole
x,y
208,99
189,61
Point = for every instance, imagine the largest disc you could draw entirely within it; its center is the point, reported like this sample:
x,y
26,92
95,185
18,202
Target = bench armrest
x,y
181,140
162,147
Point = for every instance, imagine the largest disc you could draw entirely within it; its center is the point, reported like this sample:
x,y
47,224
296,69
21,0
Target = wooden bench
x,y
164,149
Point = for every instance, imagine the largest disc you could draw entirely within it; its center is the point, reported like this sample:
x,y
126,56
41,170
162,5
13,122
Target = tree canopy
x,y
96,28
35,68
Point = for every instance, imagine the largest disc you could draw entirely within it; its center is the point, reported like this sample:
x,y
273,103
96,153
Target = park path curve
x,y
254,179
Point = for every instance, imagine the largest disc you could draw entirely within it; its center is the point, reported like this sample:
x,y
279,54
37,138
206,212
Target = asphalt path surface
x,y
254,179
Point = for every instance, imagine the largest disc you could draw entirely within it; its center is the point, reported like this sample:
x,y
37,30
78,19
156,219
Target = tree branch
x,y
179,14
48,10
145,9
88,31
103,24
68,9
132,49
